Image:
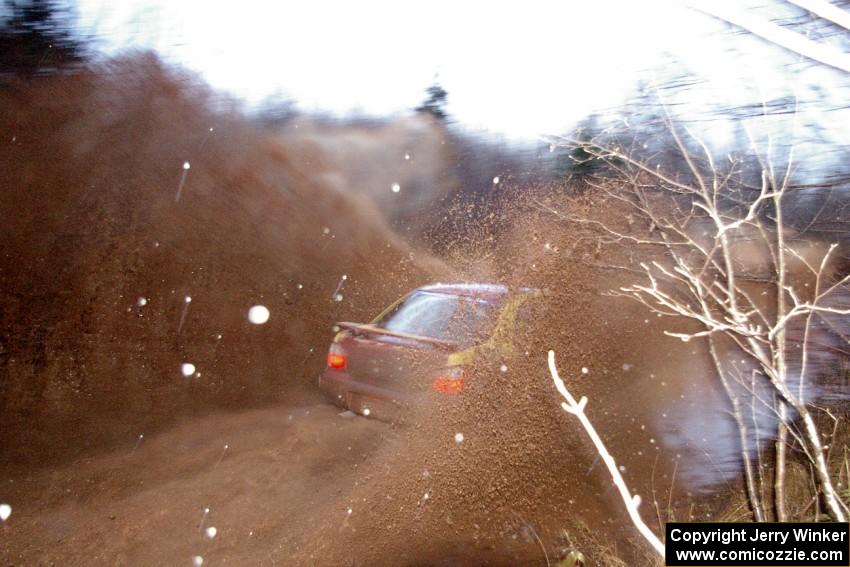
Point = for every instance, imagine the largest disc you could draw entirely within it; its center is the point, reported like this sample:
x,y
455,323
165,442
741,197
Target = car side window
x,y
441,316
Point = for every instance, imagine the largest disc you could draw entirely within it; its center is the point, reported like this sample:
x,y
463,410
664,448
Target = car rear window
x,y
462,319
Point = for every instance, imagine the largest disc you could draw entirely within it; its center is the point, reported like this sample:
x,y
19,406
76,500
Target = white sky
x,y
519,68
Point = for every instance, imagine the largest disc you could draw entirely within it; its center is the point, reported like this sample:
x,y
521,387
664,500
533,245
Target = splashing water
x,y
186,301
258,314
223,453
204,141
138,442
336,293
204,518
186,167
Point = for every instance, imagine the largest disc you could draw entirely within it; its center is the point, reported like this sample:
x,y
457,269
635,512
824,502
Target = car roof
x,y
483,290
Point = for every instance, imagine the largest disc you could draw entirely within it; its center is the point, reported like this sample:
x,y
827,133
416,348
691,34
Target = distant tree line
x,y
38,37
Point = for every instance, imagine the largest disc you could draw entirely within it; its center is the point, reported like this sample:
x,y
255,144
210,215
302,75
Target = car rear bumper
x,y
347,392
358,396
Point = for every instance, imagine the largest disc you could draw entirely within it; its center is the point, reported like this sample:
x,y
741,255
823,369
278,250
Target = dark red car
x,y
422,345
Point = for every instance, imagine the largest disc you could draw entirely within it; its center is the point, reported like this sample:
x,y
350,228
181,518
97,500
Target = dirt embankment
x,y
139,227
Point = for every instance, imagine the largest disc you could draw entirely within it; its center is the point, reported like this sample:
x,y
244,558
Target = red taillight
x,y
446,385
336,360
450,382
336,357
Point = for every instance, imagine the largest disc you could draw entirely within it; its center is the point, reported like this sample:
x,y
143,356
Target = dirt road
x,y
280,486
268,478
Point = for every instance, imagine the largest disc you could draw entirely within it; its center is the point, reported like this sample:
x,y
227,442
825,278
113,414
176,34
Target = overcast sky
x,y
521,68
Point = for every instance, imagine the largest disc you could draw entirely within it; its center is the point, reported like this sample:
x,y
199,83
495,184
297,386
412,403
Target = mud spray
x,y
98,260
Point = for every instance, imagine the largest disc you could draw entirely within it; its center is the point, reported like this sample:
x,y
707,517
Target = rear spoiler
x,y
365,329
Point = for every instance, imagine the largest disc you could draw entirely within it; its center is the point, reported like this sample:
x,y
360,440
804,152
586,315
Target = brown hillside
x,y
90,169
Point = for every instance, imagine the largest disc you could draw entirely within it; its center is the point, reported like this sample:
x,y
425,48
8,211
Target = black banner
x,y
757,544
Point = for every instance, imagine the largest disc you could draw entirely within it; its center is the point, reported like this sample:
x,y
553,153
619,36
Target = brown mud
x,y
110,455
111,282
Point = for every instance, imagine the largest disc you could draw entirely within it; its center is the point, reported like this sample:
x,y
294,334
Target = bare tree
x,y
701,225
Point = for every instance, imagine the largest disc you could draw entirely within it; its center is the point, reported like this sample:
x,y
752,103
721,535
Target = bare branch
x,y
826,11
631,501
787,39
